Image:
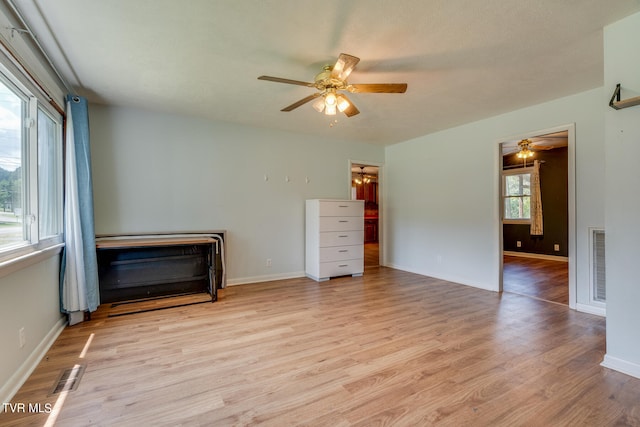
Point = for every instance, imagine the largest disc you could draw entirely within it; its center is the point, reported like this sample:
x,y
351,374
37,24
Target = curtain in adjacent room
x,y
79,271
536,201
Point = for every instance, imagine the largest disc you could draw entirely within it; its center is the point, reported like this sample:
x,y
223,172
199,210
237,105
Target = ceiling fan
x,y
361,177
331,82
527,147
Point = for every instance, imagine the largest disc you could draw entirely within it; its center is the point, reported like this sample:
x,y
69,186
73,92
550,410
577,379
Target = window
x,y
30,171
12,147
517,195
49,168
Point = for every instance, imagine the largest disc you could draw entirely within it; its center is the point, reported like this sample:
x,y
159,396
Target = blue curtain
x,y
79,271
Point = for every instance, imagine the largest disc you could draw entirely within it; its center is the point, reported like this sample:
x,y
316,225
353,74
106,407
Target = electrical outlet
x,y
21,337
556,247
518,244
268,264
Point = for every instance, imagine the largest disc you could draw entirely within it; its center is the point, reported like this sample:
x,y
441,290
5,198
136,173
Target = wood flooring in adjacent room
x,y
387,348
371,254
538,278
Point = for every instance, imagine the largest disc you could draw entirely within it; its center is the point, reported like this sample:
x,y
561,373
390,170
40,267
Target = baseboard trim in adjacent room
x,y
628,368
538,256
598,311
264,278
11,387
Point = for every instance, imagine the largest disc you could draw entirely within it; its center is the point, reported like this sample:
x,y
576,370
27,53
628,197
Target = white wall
x,y
442,192
622,65
29,299
160,172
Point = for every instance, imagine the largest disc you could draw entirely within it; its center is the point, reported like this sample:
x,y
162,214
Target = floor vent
x,y
598,276
68,379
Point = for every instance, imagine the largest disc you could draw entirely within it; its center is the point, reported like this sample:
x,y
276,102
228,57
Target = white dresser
x,y
334,238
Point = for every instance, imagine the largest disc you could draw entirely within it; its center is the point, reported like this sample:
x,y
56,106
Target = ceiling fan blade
x,y
287,81
301,102
351,110
344,66
378,88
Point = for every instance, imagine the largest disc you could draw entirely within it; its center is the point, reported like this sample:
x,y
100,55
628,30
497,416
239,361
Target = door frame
x,y
381,205
571,202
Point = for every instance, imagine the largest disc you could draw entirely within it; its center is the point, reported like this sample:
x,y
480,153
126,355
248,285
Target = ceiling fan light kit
x,y
525,152
329,102
362,178
333,79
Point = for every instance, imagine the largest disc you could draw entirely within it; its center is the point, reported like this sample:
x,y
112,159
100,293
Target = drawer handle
x,y
344,250
343,220
343,236
343,265
343,206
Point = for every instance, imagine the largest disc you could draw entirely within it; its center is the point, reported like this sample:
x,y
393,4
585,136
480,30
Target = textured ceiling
x,y
463,60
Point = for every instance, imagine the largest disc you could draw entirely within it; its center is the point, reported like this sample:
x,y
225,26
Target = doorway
x,y
365,185
538,264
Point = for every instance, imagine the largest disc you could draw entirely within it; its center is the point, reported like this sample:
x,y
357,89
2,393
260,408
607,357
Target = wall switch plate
x,y
21,337
518,244
268,263
556,247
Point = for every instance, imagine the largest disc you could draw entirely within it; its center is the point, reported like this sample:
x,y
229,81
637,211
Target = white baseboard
x,y
265,278
538,256
598,311
11,387
620,365
456,280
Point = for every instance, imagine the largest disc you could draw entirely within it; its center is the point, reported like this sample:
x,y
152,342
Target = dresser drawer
x,y
341,208
341,238
341,223
341,253
341,268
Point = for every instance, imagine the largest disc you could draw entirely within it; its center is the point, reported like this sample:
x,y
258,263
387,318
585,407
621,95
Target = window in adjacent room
x,y
517,195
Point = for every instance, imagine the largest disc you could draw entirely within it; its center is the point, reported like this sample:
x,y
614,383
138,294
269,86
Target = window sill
x,y
12,265
517,221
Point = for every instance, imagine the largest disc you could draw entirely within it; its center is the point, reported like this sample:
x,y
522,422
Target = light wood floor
x,y
388,348
539,278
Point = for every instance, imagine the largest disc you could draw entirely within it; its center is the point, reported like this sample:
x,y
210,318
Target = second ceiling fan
x,y
331,84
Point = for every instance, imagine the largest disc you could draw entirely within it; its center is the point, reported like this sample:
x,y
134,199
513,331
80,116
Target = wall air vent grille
x,y
598,276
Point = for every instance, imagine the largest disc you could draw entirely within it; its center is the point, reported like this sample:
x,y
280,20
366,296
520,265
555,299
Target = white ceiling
x,y
463,60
